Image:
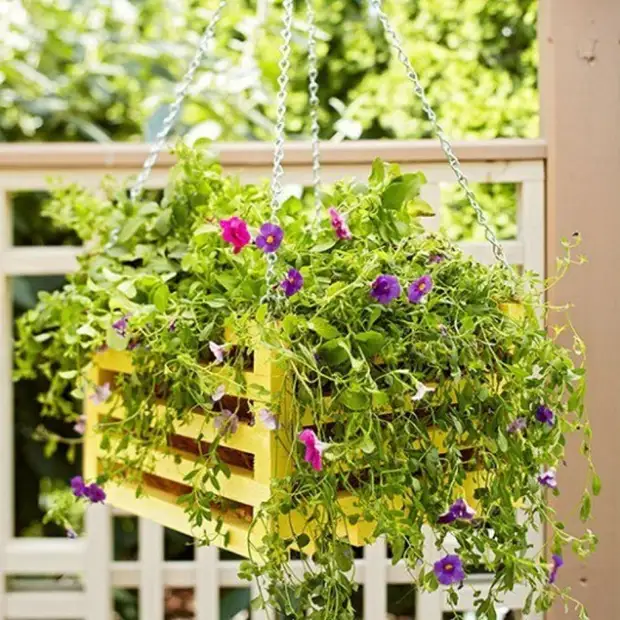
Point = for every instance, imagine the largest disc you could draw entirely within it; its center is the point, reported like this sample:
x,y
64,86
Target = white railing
x,y
29,167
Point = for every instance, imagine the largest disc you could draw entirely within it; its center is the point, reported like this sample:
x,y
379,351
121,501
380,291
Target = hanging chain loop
x,y
453,160
280,135
181,92
313,99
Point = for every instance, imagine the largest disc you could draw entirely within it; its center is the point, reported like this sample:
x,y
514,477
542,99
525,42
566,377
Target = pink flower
x,y
235,231
339,225
101,394
269,419
80,426
314,448
218,351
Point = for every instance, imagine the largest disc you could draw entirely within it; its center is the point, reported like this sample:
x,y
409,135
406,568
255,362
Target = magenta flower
x,y
270,238
459,510
218,351
235,231
80,426
545,415
339,225
77,486
314,449
548,479
419,289
227,422
94,493
293,282
101,394
518,424
120,326
385,288
558,562
269,419
436,258
449,570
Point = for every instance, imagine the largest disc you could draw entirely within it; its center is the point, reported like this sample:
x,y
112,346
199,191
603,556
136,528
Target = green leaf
x,y
303,540
162,223
368,445
115,341
354,400
326,244
128,288
398,550
334,352
377,174
586,506
129,229
371,342
404,188
344,558
87,330
68,374
323,328
160,297
596,485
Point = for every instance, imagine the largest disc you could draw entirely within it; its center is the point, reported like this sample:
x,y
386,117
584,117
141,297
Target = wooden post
x,y
580,92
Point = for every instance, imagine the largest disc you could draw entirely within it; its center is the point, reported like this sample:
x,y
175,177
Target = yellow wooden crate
x,y
264,454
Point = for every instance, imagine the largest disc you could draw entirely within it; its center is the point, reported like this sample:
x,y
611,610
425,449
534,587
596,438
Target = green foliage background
x,y
103,70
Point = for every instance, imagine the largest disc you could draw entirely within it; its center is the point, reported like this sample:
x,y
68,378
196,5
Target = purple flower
x,y
95,493
518,424
227,422
293,282
80,426
449,570
269,419
547,479
172,326
270,237
77,486
385,288
558,562
133,345
220,390
314,449
235,231
436,258
339,225
101,394
120,326
71,533
218,351
545,415
418,289
459,510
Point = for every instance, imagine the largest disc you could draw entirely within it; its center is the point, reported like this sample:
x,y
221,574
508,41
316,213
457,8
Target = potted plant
x,y
380,380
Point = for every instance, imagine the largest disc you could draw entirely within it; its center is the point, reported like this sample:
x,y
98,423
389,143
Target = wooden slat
x,y
55,156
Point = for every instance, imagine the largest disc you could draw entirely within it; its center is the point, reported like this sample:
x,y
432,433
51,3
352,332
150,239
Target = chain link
x,y
280,130
181,93
453,160
313,98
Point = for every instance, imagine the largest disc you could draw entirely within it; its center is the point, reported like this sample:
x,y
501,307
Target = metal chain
x,y
453,160
181,92
313,98
280,130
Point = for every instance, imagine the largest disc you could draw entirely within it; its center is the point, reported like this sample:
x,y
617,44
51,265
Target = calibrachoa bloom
x,y
339,225
71,533
293,282
218,351
545,415
459,510
235,231
547,479
101,394
436,258
227,422
94,493
385,288
270,237
120,326
558,562
269,419
80,426
314,449
449,570
418,289
422,391
518,424
220,390
77,486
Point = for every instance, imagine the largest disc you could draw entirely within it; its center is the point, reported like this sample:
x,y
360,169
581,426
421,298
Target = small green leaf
x,y
368,445
160,297
323,328
596,485
354,400
586,507
371,342
68,374
129,229
303,540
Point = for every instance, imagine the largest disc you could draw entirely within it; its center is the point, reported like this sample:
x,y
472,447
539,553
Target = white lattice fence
x,y
87,563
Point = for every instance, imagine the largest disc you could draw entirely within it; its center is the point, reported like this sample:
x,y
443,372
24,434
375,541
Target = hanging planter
x,y
270,376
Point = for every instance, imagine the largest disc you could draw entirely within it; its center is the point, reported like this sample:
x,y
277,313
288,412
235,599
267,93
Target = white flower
x,y
423,390
220,390
218,351
269,419
536,372
101,394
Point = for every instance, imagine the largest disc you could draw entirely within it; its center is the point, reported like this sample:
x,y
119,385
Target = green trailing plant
x,y
408,336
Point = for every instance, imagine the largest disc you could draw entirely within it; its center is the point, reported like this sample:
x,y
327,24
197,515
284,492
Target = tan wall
x,y
580,88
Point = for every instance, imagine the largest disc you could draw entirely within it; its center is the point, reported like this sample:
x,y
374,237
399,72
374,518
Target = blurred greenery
x,y
104,70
